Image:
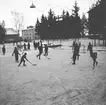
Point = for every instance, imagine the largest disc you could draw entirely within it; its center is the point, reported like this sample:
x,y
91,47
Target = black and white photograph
x,y
52,52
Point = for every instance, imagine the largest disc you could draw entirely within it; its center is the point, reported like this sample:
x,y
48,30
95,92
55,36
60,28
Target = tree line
x,y
2,32
61,27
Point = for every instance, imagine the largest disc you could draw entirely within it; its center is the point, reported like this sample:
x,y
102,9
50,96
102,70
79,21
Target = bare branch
x,y
17,20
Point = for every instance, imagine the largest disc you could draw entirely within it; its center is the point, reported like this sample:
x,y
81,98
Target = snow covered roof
x,y
11,31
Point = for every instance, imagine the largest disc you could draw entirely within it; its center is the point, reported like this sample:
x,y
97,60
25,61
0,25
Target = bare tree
x,y
17,20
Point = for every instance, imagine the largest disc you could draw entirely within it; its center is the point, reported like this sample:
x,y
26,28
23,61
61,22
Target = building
x,y
28,34
11,35
97,20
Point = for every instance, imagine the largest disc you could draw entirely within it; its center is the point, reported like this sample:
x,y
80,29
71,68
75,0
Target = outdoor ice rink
x,y
53,81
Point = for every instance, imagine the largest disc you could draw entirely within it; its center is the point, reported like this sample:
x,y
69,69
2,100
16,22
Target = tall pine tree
x,y
77,21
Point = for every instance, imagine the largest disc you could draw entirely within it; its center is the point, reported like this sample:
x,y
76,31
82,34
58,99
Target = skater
x,y
23,59
94,57
28,46
24,46
40,48
34,44
46,50
16,54
75,53
73,45
3,49
77,50
79,46
90,49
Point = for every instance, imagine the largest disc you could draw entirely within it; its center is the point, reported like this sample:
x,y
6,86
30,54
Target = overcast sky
x,y
42,7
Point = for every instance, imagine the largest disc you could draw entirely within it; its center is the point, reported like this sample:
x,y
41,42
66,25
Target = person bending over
x,y
23,58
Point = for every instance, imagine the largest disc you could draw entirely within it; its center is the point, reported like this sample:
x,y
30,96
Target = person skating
x,y
3,49
90,49
28,46
73,45
24,46
40,48
23,58
34,44
94,57
46,50
16,54
75,53
77,48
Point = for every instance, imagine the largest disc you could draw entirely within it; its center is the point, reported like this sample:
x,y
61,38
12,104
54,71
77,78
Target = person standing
x,y
75,53
16,54
73,45
40,48
24,46
46,50
34,44
3,49
28,46
90,49
78,49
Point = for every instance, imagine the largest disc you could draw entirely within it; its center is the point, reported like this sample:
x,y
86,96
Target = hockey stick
x,y
32,64
47,56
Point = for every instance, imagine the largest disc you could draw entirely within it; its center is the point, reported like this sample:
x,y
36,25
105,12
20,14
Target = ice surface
x,y
53,81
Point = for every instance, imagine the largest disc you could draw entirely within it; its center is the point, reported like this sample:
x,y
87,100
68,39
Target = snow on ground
x,y
53,81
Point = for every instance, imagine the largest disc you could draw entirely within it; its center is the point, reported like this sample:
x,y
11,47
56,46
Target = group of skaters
x,y
26,46
38,45
76,49
20,46
24,55
40,48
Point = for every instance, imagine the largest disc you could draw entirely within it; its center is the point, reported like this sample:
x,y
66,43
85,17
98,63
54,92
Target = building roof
x,y
100,5
28,29
11,31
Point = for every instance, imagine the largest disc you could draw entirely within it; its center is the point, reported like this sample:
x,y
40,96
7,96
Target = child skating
x,y
23,58
46,50
3,49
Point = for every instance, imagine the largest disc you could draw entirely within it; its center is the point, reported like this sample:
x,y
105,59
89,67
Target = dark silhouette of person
x,y
78,49
28,46
40,48
34,44
23,58
24,46
16,54
73,45
38,44
75,53
46,50
3,49
90,49
94,57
